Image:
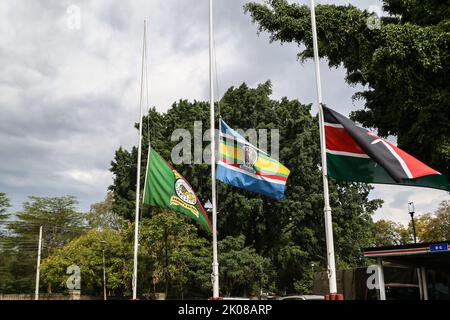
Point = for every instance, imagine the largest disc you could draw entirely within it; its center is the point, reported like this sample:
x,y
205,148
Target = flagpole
x,y
215,263
38,265
327,208
138,176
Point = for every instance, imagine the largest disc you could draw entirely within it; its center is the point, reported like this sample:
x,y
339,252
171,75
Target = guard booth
x,y
431,262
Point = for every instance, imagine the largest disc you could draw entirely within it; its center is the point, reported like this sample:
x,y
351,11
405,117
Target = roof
x,y
429,254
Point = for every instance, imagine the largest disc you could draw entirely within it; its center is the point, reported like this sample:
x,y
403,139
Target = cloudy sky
x,y
69,96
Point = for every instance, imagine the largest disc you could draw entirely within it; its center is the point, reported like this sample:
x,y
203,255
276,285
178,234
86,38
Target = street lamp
x,y
411,212
104,271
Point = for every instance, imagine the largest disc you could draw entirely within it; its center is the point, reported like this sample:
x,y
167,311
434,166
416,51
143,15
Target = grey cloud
x,y
69,98
401,200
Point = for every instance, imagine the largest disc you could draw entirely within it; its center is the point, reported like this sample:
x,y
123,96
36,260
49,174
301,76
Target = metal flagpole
x,y
327,208
215,264
138,177
36,292
104,274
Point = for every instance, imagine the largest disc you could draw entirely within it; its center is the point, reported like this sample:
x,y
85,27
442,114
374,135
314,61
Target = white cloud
x,y
90,178
396,200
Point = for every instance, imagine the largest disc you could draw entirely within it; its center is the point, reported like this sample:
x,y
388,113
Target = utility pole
x,y
36,291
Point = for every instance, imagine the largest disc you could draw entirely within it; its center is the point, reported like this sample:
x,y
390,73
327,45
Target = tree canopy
x,y
430,227
403,65
86,253
61,223
4,205
289,233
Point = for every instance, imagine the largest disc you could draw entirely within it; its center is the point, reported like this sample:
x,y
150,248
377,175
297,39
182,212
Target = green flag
x,y
166,188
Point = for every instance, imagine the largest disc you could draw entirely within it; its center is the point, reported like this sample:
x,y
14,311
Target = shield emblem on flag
x,y
249,157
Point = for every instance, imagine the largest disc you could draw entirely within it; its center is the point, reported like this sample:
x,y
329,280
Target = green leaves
x,y
61,223
404,64
4,205
171,245
242,270
288,234
86,253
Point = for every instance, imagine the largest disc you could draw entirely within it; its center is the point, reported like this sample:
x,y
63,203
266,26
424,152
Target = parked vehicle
x,y
303,297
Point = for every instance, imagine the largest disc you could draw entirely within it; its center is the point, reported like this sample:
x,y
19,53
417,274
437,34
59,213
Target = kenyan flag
x,y
356,154
166,188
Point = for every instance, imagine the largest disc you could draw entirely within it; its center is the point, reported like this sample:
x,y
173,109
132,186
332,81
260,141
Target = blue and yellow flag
x,y
242,165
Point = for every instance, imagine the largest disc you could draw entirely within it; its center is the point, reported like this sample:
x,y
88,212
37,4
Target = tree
x,y
403,64
4,205
243,272
61,223
86,253
435,227
171,245
101,215
259,218
387,233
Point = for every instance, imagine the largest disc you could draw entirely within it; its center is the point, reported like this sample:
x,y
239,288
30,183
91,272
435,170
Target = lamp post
x,y
104,271
411,212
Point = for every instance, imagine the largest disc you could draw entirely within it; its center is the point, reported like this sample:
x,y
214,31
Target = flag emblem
x,y
184,191
242,165
166,188
250,157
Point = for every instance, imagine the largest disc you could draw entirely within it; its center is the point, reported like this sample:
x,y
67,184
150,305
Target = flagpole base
x,y
334,296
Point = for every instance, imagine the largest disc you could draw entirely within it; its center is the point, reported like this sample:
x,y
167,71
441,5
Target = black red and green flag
x,y
357,154
166,188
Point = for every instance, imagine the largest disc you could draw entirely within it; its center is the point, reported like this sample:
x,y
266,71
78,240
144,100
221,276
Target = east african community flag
x,y
166,188
242,165
357,154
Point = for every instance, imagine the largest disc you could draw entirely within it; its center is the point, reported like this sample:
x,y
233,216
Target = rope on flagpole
x,y
148,119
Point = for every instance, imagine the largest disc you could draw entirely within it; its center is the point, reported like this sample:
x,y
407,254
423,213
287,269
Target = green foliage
x,y
60,222
243,272
101,215
429,228
171,245
436,227
404,64
86,253
168,250
387,233
289,233
4,205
